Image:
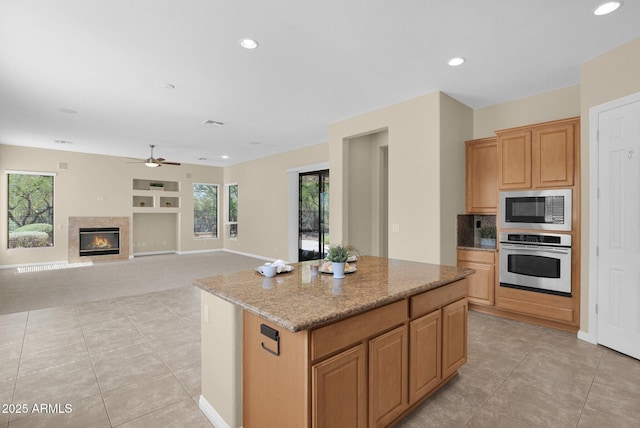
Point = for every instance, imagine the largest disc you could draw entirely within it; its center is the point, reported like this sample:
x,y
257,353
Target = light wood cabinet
x,y
481,176
481,284
553,155
514,160
339,395
538,156
454,337
367,370
388,377
425,358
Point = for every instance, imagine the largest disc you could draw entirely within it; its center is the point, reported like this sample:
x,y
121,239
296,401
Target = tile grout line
x,y
93,367
534,344
586,398
15,384
155,353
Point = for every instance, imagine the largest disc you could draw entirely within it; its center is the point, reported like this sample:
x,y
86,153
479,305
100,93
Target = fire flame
x,y
100,241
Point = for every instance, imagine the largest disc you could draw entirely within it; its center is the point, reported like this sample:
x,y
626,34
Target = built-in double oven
x,y
531,258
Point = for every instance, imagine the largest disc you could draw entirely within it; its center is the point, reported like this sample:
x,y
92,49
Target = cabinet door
x,y
554,155
482,176
454,337
339,390
481,284
388,376
425,362
514,160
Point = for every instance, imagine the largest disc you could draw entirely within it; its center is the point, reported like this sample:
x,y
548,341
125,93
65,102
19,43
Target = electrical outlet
x,y
478,224
205,313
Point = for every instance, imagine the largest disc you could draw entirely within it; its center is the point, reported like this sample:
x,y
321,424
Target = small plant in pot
x,y
488,237
338,256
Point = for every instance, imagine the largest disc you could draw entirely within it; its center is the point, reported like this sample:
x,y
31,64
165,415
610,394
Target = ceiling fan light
x,y
607,8
151,164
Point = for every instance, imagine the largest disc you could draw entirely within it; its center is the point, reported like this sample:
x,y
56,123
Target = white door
x,y
618,237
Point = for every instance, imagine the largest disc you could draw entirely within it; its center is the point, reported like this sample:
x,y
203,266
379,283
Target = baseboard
x,y
583,335
255,256
211,414
214,250
154,253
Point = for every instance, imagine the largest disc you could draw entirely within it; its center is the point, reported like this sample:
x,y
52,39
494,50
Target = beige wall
x,y
263,200
96,185
415,174
456,122
365,202
605,78
544,107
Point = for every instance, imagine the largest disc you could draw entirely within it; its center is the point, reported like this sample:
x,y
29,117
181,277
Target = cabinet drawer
x,y
424,303
341,334
487,257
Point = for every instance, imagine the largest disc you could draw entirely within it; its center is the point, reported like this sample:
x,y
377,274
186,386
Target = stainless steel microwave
x,y
536,209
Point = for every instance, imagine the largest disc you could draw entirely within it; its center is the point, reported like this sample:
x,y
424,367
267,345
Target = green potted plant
x,y
156,186
338,256
488,237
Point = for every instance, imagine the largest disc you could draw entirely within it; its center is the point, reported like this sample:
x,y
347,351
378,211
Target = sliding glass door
x,y
313,215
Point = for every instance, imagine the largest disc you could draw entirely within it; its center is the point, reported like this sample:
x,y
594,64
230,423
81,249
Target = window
x,y
30,209
232,210
205,211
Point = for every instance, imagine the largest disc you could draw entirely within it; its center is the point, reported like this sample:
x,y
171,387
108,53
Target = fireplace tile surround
x,y
76,223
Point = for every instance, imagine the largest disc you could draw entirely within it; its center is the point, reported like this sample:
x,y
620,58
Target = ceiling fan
x,y
152,162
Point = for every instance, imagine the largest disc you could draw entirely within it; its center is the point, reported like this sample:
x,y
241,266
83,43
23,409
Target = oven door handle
x,y
536,249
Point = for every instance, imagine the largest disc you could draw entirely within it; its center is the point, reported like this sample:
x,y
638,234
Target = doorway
x,y
615,209
313,215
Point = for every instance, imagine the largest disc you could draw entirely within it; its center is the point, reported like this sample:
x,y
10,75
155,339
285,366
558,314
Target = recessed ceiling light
x,y
255,143
211,122
62,142
224,157
454,62
203,159
248,43
167,86
67,110
607,7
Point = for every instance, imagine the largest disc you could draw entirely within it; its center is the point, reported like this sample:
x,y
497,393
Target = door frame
x,y
594,220
294,202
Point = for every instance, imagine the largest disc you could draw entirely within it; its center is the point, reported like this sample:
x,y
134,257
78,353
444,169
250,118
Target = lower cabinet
x,y
388,375
425,357
454,337
339,393
481,284
365,371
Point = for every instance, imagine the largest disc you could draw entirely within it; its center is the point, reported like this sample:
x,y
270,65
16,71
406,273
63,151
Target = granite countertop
x,y
299,300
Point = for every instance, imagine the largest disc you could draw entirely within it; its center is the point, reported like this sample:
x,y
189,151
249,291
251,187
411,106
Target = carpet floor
x,y
46,286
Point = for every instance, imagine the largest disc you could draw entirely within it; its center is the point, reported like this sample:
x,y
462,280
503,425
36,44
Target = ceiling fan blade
x,y
159,159
170,163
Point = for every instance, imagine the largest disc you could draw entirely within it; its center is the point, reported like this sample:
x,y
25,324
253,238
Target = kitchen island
x,y
307,350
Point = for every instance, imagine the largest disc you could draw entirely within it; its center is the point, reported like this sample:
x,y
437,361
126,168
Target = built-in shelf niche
x,y
155,196
167,186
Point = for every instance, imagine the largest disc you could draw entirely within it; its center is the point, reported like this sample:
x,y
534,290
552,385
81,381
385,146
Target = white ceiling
x,y
318,62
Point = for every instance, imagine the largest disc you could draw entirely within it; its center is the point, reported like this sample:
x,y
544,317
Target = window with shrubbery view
x,y
205,211
30,211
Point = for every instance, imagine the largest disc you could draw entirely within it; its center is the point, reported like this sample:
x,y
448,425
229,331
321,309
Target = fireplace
x,y
99,241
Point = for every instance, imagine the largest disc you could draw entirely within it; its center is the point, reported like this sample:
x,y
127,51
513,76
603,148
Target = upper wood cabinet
x,y
482,176
538,156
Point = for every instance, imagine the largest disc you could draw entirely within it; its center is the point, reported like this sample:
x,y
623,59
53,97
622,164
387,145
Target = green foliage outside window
x,y
205,211
30,211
